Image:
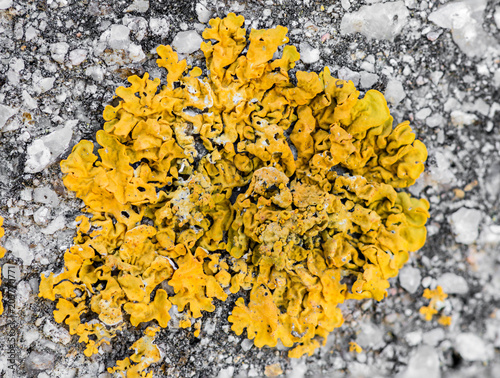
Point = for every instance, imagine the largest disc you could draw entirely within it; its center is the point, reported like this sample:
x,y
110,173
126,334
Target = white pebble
x,y
434,336
423,114
20,249
23,292
379,21
203,13
76,57
46,196
29,101
135,53
30,33
95,73
140,6
434,120
5,4
118,37
413,338
347,74
409,279
5,113
460,118
226,372
159,26
472,348
465,224
187,42
453,284
42,216
47,149
423,363
58,51
308,54
57,224
42,84
56,333
370,336
367,79
394,92
465,19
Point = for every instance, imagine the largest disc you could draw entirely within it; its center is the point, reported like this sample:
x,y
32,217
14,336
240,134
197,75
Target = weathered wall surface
x,y
438,65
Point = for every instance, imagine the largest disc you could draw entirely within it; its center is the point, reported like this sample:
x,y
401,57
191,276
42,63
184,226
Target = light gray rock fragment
x,y
39,361
423,363
308,54
434,120
5,113
422,114
56,333
46,196
45,150
378,21
23,291
413,338
187,42
95,73
77,56
394,92
367,79
370,336
30,33
42,84
409,279
139,6
58,51
202,12
434,336
472,348
453,284
41,216
460,118
29,101
465,19
226,372
347,74
465,224
159,26
117,37
5,4
57,224
19,249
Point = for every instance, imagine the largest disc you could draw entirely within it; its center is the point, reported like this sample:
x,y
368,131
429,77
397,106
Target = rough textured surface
x,y
43,86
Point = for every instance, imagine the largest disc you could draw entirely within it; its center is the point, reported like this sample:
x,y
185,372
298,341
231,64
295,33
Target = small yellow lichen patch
x,y
444,320
145,354
428,312
437,297
354,347
249,177
273,370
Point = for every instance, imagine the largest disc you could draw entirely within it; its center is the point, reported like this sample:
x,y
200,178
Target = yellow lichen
x,y
444,320
145,354
246,178
354,347
437,297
